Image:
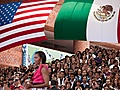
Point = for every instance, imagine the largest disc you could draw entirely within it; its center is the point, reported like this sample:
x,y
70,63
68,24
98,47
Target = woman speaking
x,y
40,79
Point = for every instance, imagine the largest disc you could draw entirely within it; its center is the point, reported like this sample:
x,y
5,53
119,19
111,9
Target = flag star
x,y
13,4
5,17
8,19
3,7
10,14
7,4
19,3
4,14
14,11
4,22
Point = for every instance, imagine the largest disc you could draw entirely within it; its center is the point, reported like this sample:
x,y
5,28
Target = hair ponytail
x,y
42,56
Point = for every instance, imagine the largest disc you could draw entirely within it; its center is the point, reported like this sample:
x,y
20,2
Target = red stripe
x,y
22,33
35,9
23,42
31,16
119,27
52,2
22,25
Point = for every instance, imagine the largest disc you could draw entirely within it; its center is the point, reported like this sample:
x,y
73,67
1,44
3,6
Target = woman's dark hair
x,y
42,56
78,81
68,83
84,76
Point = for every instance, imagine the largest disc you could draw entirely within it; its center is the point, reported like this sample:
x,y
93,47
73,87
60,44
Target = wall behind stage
x,y
29,51
11,57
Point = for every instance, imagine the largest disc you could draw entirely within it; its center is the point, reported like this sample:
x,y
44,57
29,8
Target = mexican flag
x,y
91,20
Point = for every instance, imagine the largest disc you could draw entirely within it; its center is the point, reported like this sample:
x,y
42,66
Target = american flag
x,y
23,22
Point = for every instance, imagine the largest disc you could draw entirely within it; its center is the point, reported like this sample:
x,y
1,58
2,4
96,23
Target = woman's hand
x,y
28,85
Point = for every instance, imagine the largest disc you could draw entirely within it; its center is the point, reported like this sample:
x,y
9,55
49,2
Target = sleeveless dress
x,y
38,78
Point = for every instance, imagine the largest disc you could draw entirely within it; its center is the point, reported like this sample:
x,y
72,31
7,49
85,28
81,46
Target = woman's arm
x,y
45,75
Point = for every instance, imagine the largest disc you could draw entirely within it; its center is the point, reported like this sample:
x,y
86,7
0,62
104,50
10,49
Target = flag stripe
x,y
37,3
21,33
58,27
71,21
36,9
31,13
31,2
30,16
22,22
30,40
104,31
90,26
21,38
119,27
38,6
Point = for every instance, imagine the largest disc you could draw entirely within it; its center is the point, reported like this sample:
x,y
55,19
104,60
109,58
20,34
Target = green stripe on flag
x,y
72,18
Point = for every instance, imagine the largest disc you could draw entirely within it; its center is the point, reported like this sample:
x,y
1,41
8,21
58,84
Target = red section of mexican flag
x,y
119,27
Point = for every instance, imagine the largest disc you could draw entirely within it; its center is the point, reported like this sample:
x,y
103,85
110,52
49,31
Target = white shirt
x,y
82,61
72,82
59,82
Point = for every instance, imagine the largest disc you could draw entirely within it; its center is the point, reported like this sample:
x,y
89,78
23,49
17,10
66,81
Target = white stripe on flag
x,y
22,22
20,38
32,13
103,31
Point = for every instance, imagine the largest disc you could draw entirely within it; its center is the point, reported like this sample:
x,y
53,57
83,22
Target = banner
x,y
29,51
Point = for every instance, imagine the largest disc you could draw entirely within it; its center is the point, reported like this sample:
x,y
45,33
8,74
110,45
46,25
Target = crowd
x,y
95,68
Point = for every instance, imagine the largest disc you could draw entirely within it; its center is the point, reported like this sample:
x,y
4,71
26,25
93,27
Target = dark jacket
x,y
54,88
86,86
